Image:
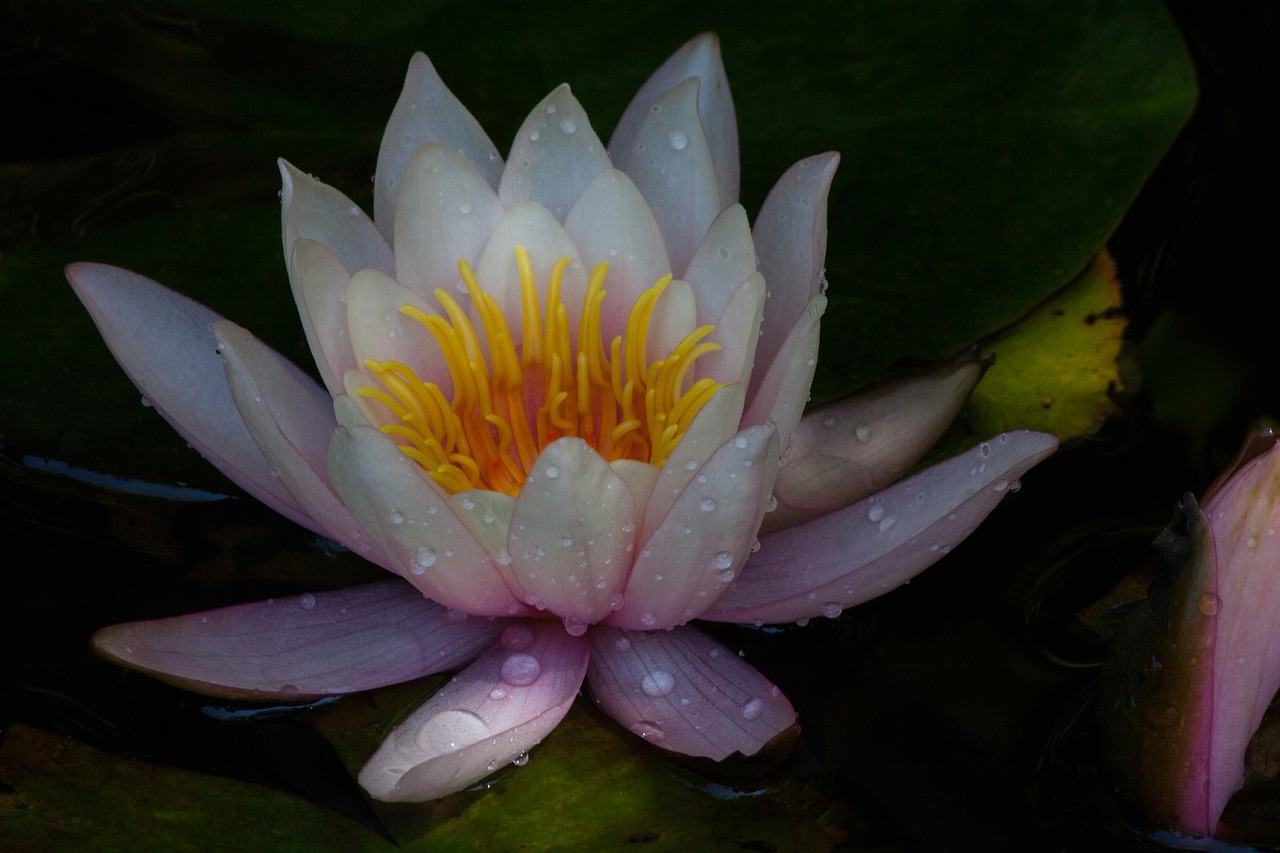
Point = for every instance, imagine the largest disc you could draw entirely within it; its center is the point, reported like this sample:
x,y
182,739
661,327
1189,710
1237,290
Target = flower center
x,y
508,405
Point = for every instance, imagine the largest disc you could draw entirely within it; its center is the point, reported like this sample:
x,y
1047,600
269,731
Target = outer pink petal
x,y
671,165
697,550
554,156
413,523
291,421
791,247
864,550
572,533
846,450
426,112
319,282
162,340
307,645
683,691
445,213
724,259
319,212
494,711
700,58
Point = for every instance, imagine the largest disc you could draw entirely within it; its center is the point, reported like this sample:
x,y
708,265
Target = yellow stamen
x,y
508,405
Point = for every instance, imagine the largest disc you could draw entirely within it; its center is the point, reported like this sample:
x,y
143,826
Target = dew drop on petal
x,y
517,637
678,140
307,600
752,709
721,560
740,442
521,670
658,683
648,619
886,522
622,644
552,471
426,559
1208,604
832,609
568,126
397,517
497,694
862,433
615,602
707,504
450,731
876,512
575,626
521,760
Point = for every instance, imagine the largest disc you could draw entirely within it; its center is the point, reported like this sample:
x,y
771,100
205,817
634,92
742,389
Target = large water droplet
x,y
575,626
552,471
752,709
397,517
658,683
521,670
450,731
521,760
721,560
307,600
832,609
648,619
615,601
1208,604
677,139
707,504
426,559
875,512
622,644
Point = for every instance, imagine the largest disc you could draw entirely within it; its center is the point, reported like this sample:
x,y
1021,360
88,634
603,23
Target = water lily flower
x,y
556,397
1195,665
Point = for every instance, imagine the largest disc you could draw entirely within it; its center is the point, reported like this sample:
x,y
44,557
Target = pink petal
x,y
694,554
380,331
671,165
291,420
780,389
303,645
846,450
492,712
426,112
317,211
683,691
554,156
791,247
700,58
162,340
445,213
612,222
724,259
319,282
737,332
572,533
864,550
409,517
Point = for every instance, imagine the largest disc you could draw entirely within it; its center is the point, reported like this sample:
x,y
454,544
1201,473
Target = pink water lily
x,y
556,401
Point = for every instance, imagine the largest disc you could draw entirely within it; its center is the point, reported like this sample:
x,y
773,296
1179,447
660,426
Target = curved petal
x,y
162,340
319,283
317,211
612,222
445,213
724,259
737,332
778,394
426,112
790,237
864,550
700,58
694,554
494,711
303,645
572,533
410,519
683,691
554,156
291,420
380,331
671,165
846,450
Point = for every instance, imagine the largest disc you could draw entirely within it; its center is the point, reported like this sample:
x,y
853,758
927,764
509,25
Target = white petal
x,y
317,211
781,392
319,282
380,331
737,332
723,260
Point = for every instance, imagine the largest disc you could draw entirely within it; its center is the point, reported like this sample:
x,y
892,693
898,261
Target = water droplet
x,y
707,504
566,541
568,126
629,527
553,471
426,559
648,730
397,517
615,601
503,558
450,731
771,504
691,465
464,208
574,626
752,709
678,140
468,504
1000,485
886,522
535,136
648,619
658,683
521,670
862,433
802,621
497,694
740,442
702,478
307,600
875,512
1208,604
721,560
517,637
832,609
521,760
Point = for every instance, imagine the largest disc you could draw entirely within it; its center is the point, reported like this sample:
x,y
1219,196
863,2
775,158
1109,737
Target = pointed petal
x,y
683,691
319,212
737,332
844,451
554,156
612,222
671,165
308,645
291,420
724,259
495,710
694,554
572,533
791,246
778,394
319,282
162,340
700,58
445,213
864,550
426,112
411,520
